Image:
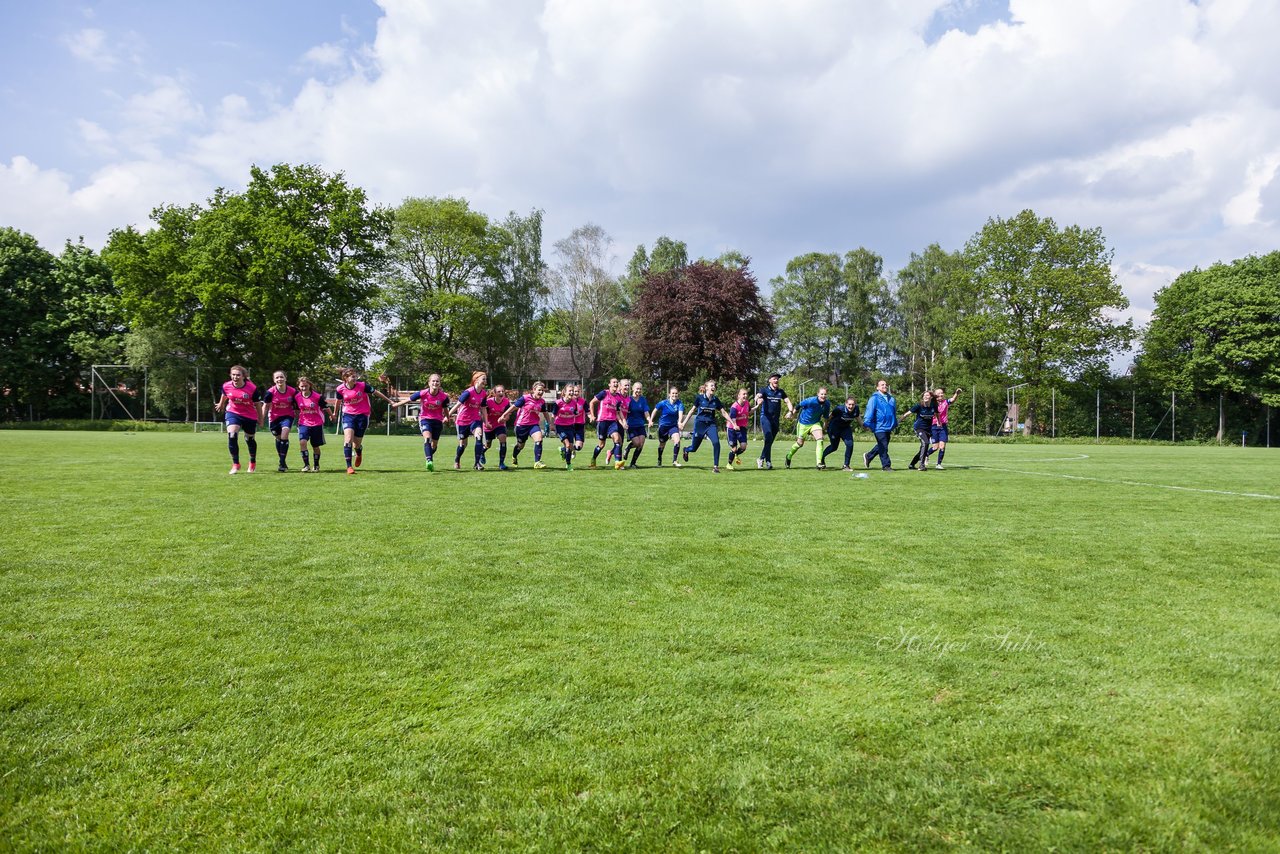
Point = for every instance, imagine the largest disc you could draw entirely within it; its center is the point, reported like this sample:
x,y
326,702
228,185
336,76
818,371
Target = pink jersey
x,y
496,406
570,412
608,410
741,414
944,409
356,400
240,401
529,410
433,405
281,404
471,401
310,409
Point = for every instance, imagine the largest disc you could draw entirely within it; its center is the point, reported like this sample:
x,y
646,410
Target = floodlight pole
x,y
1173,422
1053,413
146,373
1133,413
1097,417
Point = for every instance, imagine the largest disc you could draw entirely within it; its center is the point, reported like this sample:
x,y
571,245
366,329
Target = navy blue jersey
x,y
637,411
924,416
669,413
771,403
843,418
707,408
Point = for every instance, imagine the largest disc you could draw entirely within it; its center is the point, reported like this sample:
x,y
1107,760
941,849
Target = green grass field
x,y
1044,646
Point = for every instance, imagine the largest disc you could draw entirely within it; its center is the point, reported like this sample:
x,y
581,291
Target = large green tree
x,y
1218,330
282,274
832,314
1045,295
35,358
933,298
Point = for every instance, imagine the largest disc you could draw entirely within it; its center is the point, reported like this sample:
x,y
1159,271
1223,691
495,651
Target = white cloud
x,y
90,45
326,55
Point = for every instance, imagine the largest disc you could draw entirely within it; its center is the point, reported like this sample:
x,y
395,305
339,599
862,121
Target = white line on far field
x,y
1130,482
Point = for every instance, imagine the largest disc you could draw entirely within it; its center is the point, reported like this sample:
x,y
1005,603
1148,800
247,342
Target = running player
x,y
355,396
471,419
311,417
569,412
604,413
840,429
706,408
281,410
769,401
529,414
814,411
242,401
924,411
670,415
637,411
740,418
499,409
939,432
432,401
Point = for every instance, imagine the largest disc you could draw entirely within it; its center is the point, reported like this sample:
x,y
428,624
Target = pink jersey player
x,y
310,409
740,414
241,400
433,404
356,398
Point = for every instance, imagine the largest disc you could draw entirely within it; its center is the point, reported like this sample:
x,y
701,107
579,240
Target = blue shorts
x,y
281,424
465,430
358,423
523,433
248,425
579,433
433,426
605,429
637,432
665,431
940,433
500,430
737,437
314,435
566,432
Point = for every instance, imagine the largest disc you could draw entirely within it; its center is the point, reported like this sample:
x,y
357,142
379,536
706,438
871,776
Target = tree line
x,y
301,270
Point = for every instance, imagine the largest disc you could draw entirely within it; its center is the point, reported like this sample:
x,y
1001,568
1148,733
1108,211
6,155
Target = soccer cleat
x,y
512,465
593,464
350,470
686,455
788,462
457,466
866,461
729,466
760,462
479,466
822,466
677,464
502,466
359,456
768,465
539,465
938,467
846,468
235,468
619,465
282,467
659,460
568,466
715,469
252,467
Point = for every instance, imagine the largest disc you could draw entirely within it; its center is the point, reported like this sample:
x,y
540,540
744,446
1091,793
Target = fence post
x,y
1133,412
1053,413
1173,421
146,373
1097,417
973,411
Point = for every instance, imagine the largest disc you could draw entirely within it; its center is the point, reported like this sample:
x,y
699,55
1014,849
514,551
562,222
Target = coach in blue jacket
x,y
881,419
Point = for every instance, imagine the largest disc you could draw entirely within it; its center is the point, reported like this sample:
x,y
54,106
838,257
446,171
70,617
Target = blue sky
x,y
774,129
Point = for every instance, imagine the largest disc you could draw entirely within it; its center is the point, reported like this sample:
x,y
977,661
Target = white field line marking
x,y
1071,459
1133,482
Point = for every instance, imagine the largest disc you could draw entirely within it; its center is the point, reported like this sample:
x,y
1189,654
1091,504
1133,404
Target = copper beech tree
x,y
702,319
